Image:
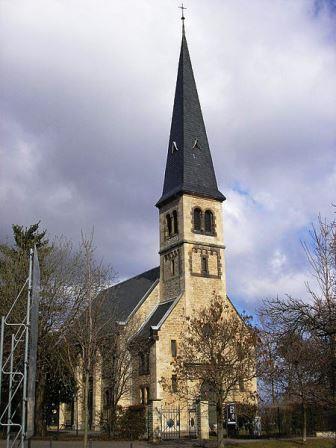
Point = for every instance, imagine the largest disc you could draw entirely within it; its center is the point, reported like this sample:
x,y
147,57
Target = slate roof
x,y
188,169
123,298
155,319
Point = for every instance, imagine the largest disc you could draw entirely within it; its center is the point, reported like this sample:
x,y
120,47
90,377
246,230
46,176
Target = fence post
x,y
155,421
203,420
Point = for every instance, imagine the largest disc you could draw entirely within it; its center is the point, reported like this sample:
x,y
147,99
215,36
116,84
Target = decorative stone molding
x,y
170,256
199,243
208,252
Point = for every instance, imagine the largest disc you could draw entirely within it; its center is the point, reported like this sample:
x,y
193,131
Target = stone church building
x,y
192,262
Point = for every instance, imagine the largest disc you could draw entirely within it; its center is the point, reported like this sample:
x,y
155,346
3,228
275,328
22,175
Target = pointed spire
x,y
190,168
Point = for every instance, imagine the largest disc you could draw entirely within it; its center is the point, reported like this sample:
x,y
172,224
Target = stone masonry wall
x,y
199,288
171,283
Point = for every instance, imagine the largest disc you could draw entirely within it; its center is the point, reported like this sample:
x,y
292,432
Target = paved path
x,y
182,443
79,444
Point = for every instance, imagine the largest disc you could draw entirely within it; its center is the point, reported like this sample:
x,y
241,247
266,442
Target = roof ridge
x,y
132,278
169,310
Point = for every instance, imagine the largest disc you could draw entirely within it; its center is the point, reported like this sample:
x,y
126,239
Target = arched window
x,y
142,395
208,222
197,219
175,226
174,383
169,225
143,363
173,348
172,266
204,265
107,397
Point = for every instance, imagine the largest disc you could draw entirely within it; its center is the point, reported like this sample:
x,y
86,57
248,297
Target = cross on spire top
x,y
182,9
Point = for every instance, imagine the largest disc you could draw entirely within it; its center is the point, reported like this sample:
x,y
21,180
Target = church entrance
x,y
170,423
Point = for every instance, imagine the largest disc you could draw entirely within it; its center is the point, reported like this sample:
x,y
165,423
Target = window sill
x,y
171,237
203,232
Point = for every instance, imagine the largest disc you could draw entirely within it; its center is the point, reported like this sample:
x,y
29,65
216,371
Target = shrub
x,y
132,422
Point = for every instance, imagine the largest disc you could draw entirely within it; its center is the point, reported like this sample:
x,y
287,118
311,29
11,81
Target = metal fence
x,y
170,423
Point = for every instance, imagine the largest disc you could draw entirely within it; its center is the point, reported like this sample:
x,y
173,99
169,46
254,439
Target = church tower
x,y
190,208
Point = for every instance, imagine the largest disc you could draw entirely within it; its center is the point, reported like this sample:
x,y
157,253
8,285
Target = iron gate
x,y
170,423
192,417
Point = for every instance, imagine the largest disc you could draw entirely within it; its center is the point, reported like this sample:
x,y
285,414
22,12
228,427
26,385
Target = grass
x,y
313,443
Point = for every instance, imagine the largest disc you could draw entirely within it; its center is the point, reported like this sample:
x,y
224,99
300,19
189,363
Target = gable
x,y
155,319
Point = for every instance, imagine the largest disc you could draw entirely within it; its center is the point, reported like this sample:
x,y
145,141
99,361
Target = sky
x,y
86,98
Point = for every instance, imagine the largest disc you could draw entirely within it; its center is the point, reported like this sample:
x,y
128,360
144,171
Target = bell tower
x,y
190,208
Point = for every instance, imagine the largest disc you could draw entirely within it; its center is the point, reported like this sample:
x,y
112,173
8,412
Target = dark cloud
x,y
86,100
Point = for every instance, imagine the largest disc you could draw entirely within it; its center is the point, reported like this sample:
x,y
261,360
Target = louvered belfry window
x,y
169,225
175,224
208,222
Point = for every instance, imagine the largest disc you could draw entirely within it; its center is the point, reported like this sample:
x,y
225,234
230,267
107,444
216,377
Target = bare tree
x,y
303,334
58,308
92,331
318,317
290,364
216,351
299,373
117,369
268,370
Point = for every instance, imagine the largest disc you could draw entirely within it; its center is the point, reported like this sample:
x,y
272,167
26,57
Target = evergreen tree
x,y
14,263
26,237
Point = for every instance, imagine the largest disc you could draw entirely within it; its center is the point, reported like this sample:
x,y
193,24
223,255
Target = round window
x,y
170,423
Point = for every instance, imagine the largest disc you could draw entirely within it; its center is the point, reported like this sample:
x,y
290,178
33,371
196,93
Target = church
x,y
192,262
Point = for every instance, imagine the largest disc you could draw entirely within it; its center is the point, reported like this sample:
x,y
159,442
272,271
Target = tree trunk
x,y
77,410
278,421
304,422
112,420
86,410
40,423
220,420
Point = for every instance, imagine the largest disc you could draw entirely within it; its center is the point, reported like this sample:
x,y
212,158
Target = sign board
x,y
231,414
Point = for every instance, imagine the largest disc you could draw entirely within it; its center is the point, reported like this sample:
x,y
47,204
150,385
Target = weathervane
x,y
182,8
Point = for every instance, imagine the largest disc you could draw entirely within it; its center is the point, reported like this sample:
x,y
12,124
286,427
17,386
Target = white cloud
x,y
278,261
266,287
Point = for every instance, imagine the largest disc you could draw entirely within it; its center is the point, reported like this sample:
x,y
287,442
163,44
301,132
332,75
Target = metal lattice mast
x,y
26,350
18,367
